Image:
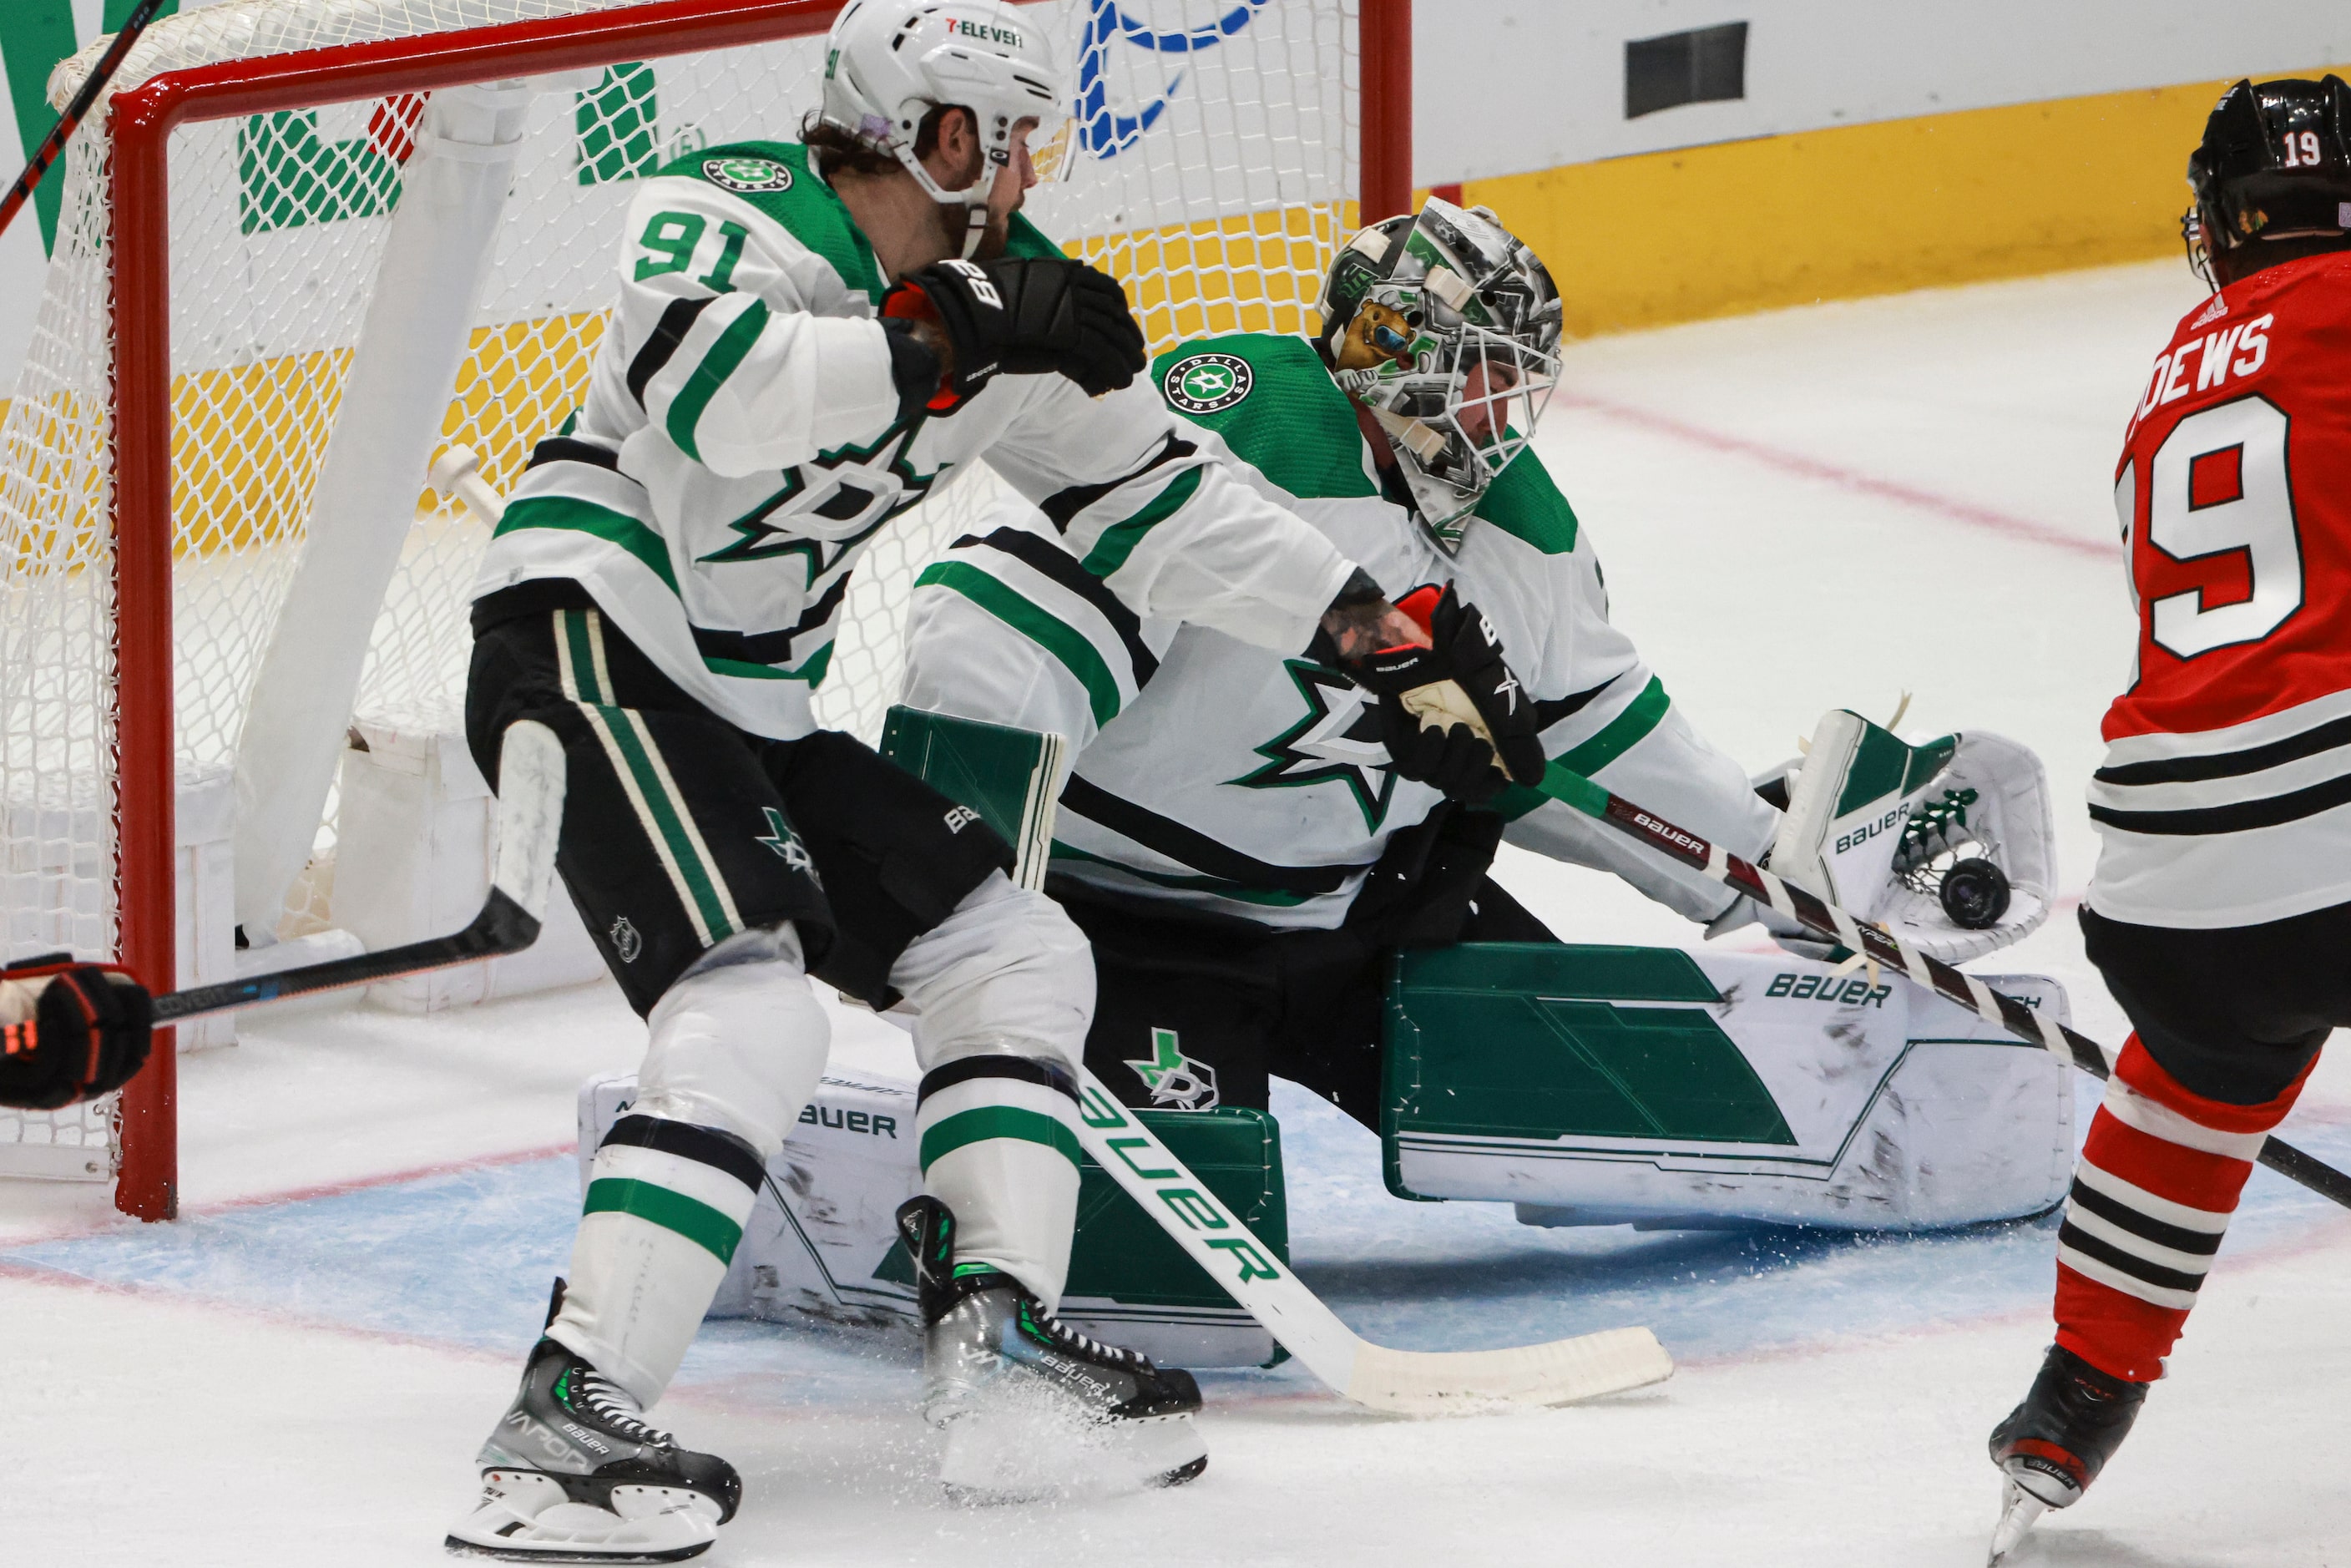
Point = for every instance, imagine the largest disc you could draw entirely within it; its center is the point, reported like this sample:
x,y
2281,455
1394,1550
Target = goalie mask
x,y
1447,328
888,63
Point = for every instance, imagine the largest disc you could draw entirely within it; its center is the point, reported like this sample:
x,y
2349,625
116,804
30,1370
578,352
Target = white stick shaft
x,y
1183,1206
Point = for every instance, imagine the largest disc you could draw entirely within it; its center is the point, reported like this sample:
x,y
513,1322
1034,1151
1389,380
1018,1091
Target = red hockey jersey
x,y
2225,798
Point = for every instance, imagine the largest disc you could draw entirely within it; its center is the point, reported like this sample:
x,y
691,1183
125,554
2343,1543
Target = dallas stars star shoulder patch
x,y
1207,383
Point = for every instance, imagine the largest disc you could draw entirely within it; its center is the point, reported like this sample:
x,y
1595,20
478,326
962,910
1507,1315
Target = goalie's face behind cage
x,y
1446,329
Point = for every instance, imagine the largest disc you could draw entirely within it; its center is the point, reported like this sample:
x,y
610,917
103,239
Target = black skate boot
x,y
1030,1406
2054,1445
573,1474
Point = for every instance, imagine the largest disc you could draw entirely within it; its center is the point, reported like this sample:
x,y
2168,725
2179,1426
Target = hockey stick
x,y
530,811
87,94
1882,947
1403,1381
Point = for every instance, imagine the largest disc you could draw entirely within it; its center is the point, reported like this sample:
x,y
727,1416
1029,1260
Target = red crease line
x,y
1811,468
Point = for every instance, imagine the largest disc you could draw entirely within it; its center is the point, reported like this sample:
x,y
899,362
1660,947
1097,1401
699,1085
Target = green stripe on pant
x,y
696,1221
988,1122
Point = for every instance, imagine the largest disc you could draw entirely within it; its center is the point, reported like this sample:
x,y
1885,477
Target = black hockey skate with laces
x,y
2054,1445
574,1473
1030,1406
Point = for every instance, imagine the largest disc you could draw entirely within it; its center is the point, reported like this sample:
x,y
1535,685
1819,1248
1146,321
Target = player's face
x,y
1480,417
1010,189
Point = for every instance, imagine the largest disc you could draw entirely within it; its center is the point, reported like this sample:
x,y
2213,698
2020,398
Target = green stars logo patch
x,y
746,174
1207,383
1175,1081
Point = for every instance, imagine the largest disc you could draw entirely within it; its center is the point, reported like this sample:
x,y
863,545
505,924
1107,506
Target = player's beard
x,y
992,239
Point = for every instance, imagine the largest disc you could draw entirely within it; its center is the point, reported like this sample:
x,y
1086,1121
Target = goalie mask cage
x,y
219,305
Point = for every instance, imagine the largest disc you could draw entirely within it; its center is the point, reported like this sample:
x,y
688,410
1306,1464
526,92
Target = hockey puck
x,y
1974,894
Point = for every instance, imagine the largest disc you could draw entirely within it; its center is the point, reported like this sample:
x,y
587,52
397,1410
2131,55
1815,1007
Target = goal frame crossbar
x,y
142,119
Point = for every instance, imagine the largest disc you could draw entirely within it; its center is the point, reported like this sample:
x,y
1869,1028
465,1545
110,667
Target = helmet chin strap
x,y
974,200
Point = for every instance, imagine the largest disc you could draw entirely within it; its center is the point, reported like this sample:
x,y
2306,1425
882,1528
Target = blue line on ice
x,y
466,1258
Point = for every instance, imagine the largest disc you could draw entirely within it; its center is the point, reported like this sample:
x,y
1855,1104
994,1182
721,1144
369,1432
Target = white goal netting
x,y
1213,172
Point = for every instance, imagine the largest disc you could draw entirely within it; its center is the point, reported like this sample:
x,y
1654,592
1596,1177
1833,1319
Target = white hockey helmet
x,y
1447,327
888,63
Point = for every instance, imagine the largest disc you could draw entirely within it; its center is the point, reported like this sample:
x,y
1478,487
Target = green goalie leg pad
x,y
1593,1086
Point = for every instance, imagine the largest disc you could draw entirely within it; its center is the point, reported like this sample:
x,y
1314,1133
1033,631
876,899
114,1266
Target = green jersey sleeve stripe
x,y
1624,732
690,1218
1117,541
1041,626
987,1121
586,517
686,408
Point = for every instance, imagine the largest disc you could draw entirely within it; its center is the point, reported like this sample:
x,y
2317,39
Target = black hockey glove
x,y
1452,690
75,1031
1025,316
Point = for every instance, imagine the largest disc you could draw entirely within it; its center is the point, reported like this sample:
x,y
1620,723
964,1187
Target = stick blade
x,y
1439,1383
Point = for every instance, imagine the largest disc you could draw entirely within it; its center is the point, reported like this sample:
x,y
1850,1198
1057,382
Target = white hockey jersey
x,y
1225,776
741,444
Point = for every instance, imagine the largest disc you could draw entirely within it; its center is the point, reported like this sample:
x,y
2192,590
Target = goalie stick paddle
x,y
530,811
68,123
1882,947
1403,1382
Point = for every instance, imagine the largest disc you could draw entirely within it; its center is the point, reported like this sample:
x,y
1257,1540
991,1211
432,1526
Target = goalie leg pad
x,y
1606,1085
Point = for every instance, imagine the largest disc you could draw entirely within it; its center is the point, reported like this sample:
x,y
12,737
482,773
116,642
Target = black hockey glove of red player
x,y
1451,708
69,1031
1025,316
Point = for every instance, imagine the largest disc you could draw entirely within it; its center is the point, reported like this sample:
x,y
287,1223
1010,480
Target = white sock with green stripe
x,y
999,1150
737,1051
666,1207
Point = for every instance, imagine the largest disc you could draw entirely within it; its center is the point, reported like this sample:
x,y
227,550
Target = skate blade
x,y
1016,1452
2018,1509
528,1522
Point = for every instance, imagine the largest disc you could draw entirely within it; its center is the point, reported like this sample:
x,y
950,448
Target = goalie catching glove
x,y
69,1031
1948,844
1453,708
1023,316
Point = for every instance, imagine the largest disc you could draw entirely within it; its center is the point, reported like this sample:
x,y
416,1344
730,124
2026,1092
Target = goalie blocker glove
x,y
1024,316
69,1031
1452,708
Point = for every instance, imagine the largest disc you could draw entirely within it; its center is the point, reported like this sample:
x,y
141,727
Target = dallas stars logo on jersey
x,y
746,174
780,838
1340,740
1175,1081
1207,383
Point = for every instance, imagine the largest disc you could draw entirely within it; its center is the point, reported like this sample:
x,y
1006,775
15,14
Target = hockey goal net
x,y
220,293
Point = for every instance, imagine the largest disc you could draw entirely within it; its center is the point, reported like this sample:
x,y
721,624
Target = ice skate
x,y
2053,1446
573,1474
1030,1406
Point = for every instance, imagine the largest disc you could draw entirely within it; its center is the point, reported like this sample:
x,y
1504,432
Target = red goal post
x,y
139,184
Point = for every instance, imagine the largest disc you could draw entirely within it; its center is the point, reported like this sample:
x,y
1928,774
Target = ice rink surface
x,y
1824,507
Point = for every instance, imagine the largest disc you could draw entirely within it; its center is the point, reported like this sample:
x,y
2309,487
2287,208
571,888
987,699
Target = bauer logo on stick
x,y
746,174
1207,383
